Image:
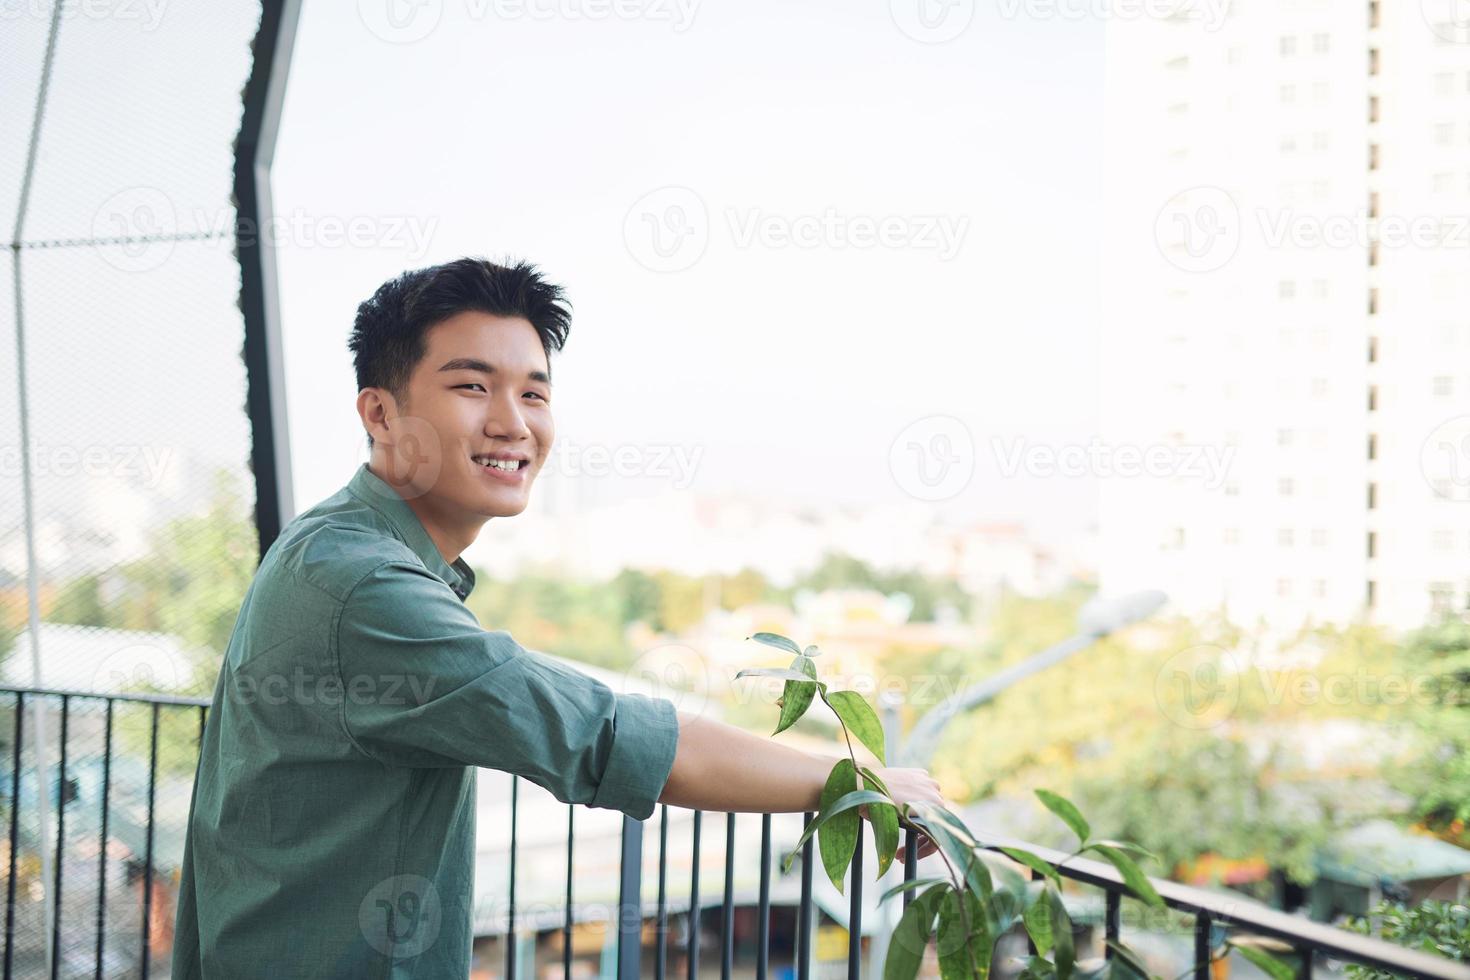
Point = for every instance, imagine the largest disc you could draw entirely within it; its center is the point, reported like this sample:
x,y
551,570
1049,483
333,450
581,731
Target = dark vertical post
x,y
855,912
265,399
1202,946
661,954
630,901
566,935
763,927
148,845
20,705
694,903
102,850
60,839
1114,914
804,923
510,912
910,862
727,917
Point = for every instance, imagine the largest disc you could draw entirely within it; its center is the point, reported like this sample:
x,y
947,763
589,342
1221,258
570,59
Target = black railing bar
x,y
57,692
661,953
566,952
102,851
1202,946
20,710
693,963
1114,918
1258,920
630,901
510,912
804,922
148,837
763,924
60,839
1030,943
855,911
727,914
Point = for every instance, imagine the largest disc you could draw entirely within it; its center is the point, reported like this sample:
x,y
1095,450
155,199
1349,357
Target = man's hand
x,y
907,786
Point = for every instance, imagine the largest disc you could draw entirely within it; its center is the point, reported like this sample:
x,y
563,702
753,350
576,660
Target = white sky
x,y
791,369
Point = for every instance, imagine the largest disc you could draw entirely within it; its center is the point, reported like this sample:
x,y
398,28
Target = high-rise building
x,y
1287,287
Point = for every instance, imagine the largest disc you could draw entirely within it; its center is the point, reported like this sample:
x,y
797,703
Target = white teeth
x,y
509,465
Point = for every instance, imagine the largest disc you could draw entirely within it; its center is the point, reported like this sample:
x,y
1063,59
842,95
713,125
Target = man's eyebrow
x,y
484,367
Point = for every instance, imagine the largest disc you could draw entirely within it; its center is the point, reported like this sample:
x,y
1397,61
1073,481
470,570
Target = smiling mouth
x,y
500,467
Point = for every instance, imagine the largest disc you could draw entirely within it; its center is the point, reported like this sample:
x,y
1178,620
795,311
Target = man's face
x,y
481,392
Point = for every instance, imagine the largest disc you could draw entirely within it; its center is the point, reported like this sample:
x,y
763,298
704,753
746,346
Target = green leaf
x,y
964,944
1134,878
1038,917
1061,931
858,797
1034,862
837,839
1035,968
1069,813
962,856
811,651
785,673
904,886
884,818
859,717
1127,964
873,778
911,936
776,640
797,697
1128,848
1270,965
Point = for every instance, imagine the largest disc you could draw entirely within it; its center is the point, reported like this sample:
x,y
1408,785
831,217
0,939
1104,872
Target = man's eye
x,y
536,393
472,384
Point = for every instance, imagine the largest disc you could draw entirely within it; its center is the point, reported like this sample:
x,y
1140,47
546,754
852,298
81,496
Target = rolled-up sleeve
x,y
425,685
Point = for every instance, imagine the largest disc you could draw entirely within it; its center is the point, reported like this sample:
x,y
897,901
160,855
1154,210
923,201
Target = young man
x,y
332,827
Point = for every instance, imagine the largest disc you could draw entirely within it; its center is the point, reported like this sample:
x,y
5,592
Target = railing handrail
x,y
1209,907
187,702
1248,914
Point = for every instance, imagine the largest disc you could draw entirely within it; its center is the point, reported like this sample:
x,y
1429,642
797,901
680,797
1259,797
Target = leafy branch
x,y
981,895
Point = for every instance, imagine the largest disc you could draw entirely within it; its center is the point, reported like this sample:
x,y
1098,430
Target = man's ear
x,y
374,407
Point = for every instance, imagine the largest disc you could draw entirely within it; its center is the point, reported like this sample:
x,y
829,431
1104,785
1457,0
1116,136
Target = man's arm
x,y
723,768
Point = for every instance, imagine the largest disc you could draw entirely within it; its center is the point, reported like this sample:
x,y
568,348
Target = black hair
x,y
387,339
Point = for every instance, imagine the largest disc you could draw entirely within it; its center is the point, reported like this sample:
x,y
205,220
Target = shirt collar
x,y
368,487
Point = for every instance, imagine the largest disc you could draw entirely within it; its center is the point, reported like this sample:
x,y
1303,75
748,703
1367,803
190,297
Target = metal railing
x,y
1210,910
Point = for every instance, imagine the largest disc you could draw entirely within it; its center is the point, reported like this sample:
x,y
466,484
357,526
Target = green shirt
x,y
332,826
